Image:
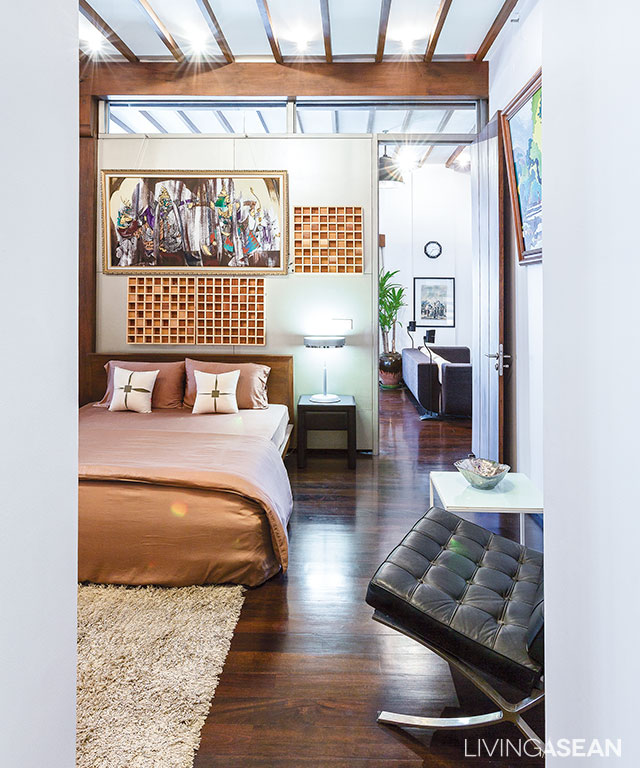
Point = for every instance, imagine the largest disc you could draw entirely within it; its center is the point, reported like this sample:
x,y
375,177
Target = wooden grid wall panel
x,y
196,310
327,239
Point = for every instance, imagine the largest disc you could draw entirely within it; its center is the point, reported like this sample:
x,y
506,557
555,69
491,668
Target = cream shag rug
x,y
149,659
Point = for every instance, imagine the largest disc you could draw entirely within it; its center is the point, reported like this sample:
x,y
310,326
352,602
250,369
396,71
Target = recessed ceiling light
x,y
197,41
93,40
301,36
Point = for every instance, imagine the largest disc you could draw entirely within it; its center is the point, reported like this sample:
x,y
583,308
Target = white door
x,y
487,354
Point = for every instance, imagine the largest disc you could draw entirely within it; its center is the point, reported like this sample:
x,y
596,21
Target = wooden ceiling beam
x,y
162,31
438,24
326,30
457,79
385,9
494,31
455,155
101,25
216,29
265,15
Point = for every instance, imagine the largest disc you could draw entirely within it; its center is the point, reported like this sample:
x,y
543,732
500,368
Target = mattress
x,y
175,499
270,423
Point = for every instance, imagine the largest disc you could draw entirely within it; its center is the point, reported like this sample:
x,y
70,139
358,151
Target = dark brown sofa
x,y
452,397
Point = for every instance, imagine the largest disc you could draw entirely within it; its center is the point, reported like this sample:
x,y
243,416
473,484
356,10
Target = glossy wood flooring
x,y
308,669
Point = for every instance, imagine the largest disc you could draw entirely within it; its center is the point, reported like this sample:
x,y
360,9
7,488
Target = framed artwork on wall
x,y
188,222
522,132
434,302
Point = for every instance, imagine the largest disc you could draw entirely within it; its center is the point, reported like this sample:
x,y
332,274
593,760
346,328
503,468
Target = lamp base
x,y
324,399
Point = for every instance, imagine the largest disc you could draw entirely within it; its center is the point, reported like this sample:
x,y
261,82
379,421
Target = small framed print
x,y
434,301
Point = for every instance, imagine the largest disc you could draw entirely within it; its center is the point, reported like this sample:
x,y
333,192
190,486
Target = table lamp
x,y
324,342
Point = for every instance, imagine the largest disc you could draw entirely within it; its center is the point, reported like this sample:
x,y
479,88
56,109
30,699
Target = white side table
x,y
516,493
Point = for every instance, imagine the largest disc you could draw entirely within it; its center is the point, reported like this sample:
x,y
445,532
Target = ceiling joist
x,y
494,31
455,155
216,29
101,25
438,24
265,15
370,120
121,123
262,121
440,129
326,30
154,122
188,121
162,31
223,121
385,9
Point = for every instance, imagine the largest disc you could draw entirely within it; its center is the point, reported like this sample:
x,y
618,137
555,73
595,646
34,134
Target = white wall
x,y
591,421
322,171
38,390
513,60
434,203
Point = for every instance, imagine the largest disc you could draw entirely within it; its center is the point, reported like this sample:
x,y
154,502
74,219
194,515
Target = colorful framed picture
x,y
434,302
522,134
186,222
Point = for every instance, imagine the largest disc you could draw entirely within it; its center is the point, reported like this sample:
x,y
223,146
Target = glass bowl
x,y
483,474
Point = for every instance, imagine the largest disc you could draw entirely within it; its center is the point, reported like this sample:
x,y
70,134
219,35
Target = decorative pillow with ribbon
x,y
132,390
216,392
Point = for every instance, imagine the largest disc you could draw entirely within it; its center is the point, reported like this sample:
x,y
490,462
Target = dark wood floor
x,y
308,669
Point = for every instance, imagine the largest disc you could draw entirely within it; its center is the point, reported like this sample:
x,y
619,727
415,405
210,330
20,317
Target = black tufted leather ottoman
x,y
476,599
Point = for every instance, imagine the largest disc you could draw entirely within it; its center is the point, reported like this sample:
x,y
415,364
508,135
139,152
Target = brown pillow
x,y
252,384
169,388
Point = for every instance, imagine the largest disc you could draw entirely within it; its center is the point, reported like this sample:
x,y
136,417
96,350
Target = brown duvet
x,y
176,507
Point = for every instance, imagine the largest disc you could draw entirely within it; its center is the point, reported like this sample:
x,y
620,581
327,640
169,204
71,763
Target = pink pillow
x,y
252,384
169,388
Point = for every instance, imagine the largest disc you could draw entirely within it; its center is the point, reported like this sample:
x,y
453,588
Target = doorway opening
x,y
425,295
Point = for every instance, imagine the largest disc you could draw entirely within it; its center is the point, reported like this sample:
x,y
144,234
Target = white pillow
x,y
132,390
216,392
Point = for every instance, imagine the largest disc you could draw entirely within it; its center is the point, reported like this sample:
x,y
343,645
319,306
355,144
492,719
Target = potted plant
x,y
390,301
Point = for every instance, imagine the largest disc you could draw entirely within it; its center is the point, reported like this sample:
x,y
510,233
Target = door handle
x,y
499,357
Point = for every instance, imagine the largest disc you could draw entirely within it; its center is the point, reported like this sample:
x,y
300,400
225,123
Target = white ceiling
x,y
297,25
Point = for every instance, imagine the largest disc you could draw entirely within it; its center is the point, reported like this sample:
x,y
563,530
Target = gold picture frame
x,y
174,222
521,123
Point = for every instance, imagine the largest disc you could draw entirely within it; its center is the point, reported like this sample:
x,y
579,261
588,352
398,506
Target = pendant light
x,y
388,172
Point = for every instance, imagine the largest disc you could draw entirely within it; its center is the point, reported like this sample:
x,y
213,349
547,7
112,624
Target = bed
x,y
174,499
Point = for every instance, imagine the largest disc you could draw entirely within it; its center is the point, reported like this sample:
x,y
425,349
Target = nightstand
x,y
327,416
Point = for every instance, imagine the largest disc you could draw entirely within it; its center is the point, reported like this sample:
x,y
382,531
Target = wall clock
x,y
433,249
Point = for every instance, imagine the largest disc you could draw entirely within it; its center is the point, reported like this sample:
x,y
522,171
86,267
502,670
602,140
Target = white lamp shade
x,y
324,342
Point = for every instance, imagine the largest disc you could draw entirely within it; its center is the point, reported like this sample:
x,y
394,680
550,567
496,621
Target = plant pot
x,y
390,370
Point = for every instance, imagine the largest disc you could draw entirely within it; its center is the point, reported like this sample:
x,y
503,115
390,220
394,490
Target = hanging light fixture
x,y
388,172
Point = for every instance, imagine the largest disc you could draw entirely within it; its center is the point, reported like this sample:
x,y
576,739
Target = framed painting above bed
x,y
522,132
187,222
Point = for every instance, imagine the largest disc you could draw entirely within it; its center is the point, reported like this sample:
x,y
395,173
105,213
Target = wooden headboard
x,y
279,386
